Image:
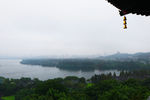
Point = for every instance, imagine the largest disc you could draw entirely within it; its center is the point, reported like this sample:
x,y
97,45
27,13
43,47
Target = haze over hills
x,y
115,56
119,61
127,57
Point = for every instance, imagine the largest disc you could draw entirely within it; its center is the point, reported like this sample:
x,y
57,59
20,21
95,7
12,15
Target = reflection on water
x,y
13,69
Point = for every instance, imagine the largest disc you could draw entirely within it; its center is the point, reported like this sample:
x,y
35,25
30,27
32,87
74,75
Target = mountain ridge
x,y
127,56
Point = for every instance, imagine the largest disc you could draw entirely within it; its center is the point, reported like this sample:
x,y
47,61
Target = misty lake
x,y
13,69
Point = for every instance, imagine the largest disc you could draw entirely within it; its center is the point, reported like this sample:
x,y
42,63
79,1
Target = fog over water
x,y
13,69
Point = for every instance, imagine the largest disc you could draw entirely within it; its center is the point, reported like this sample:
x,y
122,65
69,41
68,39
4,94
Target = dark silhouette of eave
x,y
139,7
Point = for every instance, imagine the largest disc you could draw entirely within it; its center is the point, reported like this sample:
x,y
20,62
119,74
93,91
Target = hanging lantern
x,y
124,22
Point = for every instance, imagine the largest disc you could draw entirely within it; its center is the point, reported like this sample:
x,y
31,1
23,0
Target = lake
x,y
13,69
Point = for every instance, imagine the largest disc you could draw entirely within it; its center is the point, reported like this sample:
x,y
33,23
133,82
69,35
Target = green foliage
x,y
89,85
73,88
23,92
43,87
8,98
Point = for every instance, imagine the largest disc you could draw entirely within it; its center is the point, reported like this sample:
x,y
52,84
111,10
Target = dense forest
x,y
89,64
129,85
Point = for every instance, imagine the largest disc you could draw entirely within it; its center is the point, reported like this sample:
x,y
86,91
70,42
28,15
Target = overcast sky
x,y
69,27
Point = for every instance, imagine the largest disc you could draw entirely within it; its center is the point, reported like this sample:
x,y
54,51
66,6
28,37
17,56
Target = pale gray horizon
x,y
69,27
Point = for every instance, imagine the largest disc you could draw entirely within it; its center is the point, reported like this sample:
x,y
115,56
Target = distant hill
x,y
127,57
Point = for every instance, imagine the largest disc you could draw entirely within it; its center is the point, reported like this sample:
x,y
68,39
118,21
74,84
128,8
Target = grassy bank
x,y
8,98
